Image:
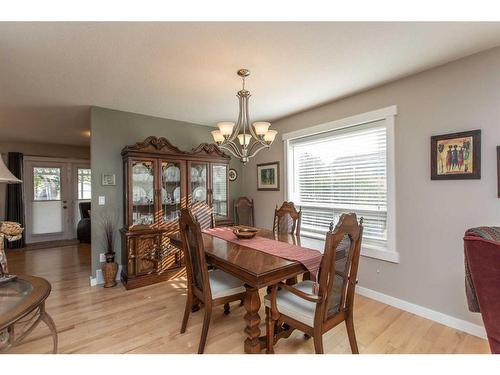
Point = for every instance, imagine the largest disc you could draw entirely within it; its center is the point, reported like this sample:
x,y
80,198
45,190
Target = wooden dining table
x,y
256,269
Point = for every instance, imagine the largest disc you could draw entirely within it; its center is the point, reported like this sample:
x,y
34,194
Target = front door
x,y
47,192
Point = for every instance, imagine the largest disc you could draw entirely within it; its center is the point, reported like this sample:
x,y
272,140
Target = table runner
x,y
310,258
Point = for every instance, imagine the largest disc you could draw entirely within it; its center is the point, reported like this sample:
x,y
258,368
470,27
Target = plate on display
x,y
177,194
139,195
200,194
173,173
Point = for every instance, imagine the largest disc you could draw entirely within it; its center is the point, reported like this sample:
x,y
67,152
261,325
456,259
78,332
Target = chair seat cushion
x,y
298,308
223,284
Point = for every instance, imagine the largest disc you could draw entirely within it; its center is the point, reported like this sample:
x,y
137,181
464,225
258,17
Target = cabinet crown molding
x,y
155,145
209,149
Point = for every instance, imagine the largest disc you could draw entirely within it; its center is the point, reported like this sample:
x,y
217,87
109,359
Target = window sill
x,y
380,254
369,251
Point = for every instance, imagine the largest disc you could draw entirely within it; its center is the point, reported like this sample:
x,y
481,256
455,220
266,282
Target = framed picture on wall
x,y
268,176
108,179
456,156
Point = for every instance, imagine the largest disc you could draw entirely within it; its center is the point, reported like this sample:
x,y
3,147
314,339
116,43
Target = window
x,y
46,184
84,183
344,169
220,189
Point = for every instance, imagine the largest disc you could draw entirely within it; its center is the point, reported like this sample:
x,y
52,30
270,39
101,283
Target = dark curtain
x,y
15,204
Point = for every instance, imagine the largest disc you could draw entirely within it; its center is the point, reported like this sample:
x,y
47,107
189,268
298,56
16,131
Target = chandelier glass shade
x,y
241,139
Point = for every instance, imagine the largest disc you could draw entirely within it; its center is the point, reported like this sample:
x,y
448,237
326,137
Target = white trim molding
x,y
387,115
424,312
363,118
99,279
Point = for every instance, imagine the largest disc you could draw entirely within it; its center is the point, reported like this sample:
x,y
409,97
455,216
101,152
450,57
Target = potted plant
x,y
110,268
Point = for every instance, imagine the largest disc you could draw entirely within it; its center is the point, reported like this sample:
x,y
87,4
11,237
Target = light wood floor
x,y
147,320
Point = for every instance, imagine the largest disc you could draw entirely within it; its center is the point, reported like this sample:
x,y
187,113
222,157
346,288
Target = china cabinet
x,y
160,179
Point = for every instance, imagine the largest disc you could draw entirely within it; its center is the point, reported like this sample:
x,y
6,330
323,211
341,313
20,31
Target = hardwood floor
x,y
148,320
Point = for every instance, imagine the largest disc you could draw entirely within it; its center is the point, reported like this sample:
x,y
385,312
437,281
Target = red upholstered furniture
x,y
482,257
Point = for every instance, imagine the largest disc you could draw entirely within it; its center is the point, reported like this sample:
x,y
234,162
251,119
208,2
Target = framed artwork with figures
x,y
268,176
456,156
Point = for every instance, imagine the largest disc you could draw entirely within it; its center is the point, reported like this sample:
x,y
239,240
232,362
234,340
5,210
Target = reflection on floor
x,y
148,320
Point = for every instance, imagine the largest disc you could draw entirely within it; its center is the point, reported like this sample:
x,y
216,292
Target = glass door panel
x,y
47,206
170,190
142,193
199,182
219,187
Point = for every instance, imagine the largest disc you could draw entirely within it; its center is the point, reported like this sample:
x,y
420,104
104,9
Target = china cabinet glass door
x,y
142,192
219,190
170,190
198,180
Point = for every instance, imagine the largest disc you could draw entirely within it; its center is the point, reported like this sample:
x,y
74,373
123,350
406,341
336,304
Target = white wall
x,y
431,215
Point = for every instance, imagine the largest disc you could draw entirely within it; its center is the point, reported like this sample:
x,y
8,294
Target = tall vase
x,y
109,271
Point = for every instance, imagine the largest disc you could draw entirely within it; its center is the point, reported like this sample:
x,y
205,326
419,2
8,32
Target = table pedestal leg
x,y
252,319
46,318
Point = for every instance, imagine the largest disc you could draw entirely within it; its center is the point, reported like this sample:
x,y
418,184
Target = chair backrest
x,y
243,211
287,219
204,214
194,255
339,266
84,210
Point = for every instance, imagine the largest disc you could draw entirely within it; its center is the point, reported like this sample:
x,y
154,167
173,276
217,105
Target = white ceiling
x,y
50,73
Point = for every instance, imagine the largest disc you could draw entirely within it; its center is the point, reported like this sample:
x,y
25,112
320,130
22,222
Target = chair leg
x,y
204,330
226,309
349,324
270,323
318,343
187,310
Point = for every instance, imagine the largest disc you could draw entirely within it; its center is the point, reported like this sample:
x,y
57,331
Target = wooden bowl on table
x,y
244,233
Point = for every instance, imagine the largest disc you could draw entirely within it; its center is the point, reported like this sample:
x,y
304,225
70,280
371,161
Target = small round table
x,y
22,308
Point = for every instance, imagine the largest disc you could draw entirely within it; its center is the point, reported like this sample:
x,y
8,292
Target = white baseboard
x,y
447,320
98,279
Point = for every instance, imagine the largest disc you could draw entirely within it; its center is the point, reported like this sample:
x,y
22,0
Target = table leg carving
x,y
252,319
46,318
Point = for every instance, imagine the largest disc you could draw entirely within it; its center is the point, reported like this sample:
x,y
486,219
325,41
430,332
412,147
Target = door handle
x,y
65,207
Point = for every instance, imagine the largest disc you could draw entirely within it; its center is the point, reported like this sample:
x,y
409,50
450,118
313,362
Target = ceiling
x,y
50,73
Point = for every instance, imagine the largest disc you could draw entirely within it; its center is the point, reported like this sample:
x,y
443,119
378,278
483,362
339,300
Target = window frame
x,y
387,115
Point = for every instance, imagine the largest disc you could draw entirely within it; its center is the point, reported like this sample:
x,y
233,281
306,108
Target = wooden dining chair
x,y
298,307
204,214
244,211
212,288
287,219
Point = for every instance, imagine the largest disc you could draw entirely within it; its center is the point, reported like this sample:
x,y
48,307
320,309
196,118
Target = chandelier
x,y
251,139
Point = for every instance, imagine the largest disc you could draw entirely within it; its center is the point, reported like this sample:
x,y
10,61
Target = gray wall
x,y
39,149
111,131
431,215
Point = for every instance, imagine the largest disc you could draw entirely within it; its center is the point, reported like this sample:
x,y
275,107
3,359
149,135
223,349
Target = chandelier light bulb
x,y
270,135
218,137
226,128
261,127
244,139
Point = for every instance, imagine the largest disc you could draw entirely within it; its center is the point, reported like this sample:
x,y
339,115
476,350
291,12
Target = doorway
x,y
53,189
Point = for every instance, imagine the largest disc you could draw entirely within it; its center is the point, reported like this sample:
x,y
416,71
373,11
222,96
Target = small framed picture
x,y
456,156
268,176
108,179
233,175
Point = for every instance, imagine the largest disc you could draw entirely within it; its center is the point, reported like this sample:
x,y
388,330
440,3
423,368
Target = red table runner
x,y
310,258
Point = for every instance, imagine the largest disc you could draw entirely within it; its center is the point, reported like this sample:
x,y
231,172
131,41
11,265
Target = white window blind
x,y
341,171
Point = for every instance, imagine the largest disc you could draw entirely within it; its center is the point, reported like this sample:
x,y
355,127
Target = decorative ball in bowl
x,y
245,232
